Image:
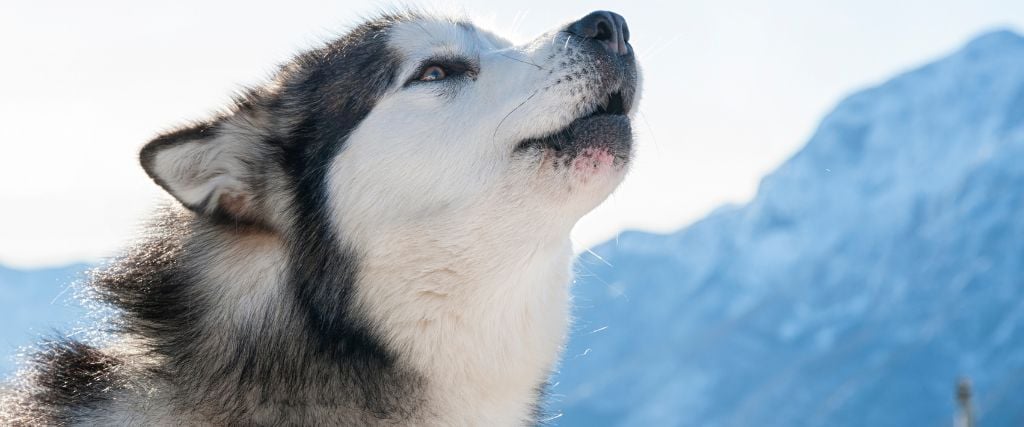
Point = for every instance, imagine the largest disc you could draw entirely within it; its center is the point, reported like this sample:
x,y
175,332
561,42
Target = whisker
x,y
518,20
520,60
599,258
658,47
650,130
513,110
420,25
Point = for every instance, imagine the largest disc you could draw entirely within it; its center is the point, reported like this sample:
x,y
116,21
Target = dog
x,y
379,235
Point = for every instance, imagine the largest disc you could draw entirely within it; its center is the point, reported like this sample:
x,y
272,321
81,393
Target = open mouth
x,y
612,105
608,116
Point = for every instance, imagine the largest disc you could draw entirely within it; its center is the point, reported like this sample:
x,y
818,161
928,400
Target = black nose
x,y
608,28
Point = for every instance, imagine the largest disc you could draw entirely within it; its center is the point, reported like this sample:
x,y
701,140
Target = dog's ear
x,y
212,168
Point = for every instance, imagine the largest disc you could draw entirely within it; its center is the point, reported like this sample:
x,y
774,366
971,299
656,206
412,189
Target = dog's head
x,y
415,119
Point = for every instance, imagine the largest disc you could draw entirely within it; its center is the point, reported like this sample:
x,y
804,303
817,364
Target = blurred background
x,y
824,224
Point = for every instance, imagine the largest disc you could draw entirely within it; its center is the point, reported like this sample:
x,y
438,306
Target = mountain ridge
x,y
875,262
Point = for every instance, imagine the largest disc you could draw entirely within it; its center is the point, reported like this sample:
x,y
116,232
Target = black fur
x,y
341,95
70,374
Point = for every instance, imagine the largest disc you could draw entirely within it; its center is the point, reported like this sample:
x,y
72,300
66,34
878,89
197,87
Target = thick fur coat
x,y
378,235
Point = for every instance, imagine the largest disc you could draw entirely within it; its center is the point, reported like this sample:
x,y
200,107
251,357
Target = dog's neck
x,y
481,312
478,313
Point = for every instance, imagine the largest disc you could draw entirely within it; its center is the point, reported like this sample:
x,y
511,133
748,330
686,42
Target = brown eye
x,y
433,73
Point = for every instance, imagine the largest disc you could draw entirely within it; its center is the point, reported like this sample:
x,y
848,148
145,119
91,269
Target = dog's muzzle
x,y
604,124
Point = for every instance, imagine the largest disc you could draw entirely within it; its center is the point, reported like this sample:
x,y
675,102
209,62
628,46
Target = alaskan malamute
x,y
378,235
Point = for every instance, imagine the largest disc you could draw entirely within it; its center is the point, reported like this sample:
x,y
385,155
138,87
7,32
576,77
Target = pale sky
x,y
732,89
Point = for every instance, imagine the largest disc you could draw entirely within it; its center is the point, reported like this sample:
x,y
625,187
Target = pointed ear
x,y
211,168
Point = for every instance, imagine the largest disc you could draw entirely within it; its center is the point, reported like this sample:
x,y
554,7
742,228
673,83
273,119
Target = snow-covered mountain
x,y
871,270
35,304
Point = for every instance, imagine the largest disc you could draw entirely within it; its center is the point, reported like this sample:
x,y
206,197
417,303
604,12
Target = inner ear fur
x,y
213,168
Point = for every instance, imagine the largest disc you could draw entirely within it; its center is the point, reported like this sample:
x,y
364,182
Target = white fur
x,y
465,246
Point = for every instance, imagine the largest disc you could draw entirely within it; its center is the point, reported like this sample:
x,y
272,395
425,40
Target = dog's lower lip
x,y
615,104
562,140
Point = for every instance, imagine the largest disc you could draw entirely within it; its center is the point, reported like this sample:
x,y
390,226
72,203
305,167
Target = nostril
x,y
607,28
604,31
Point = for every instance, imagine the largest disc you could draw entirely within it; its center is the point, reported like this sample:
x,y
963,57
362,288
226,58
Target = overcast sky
x,y
732,88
